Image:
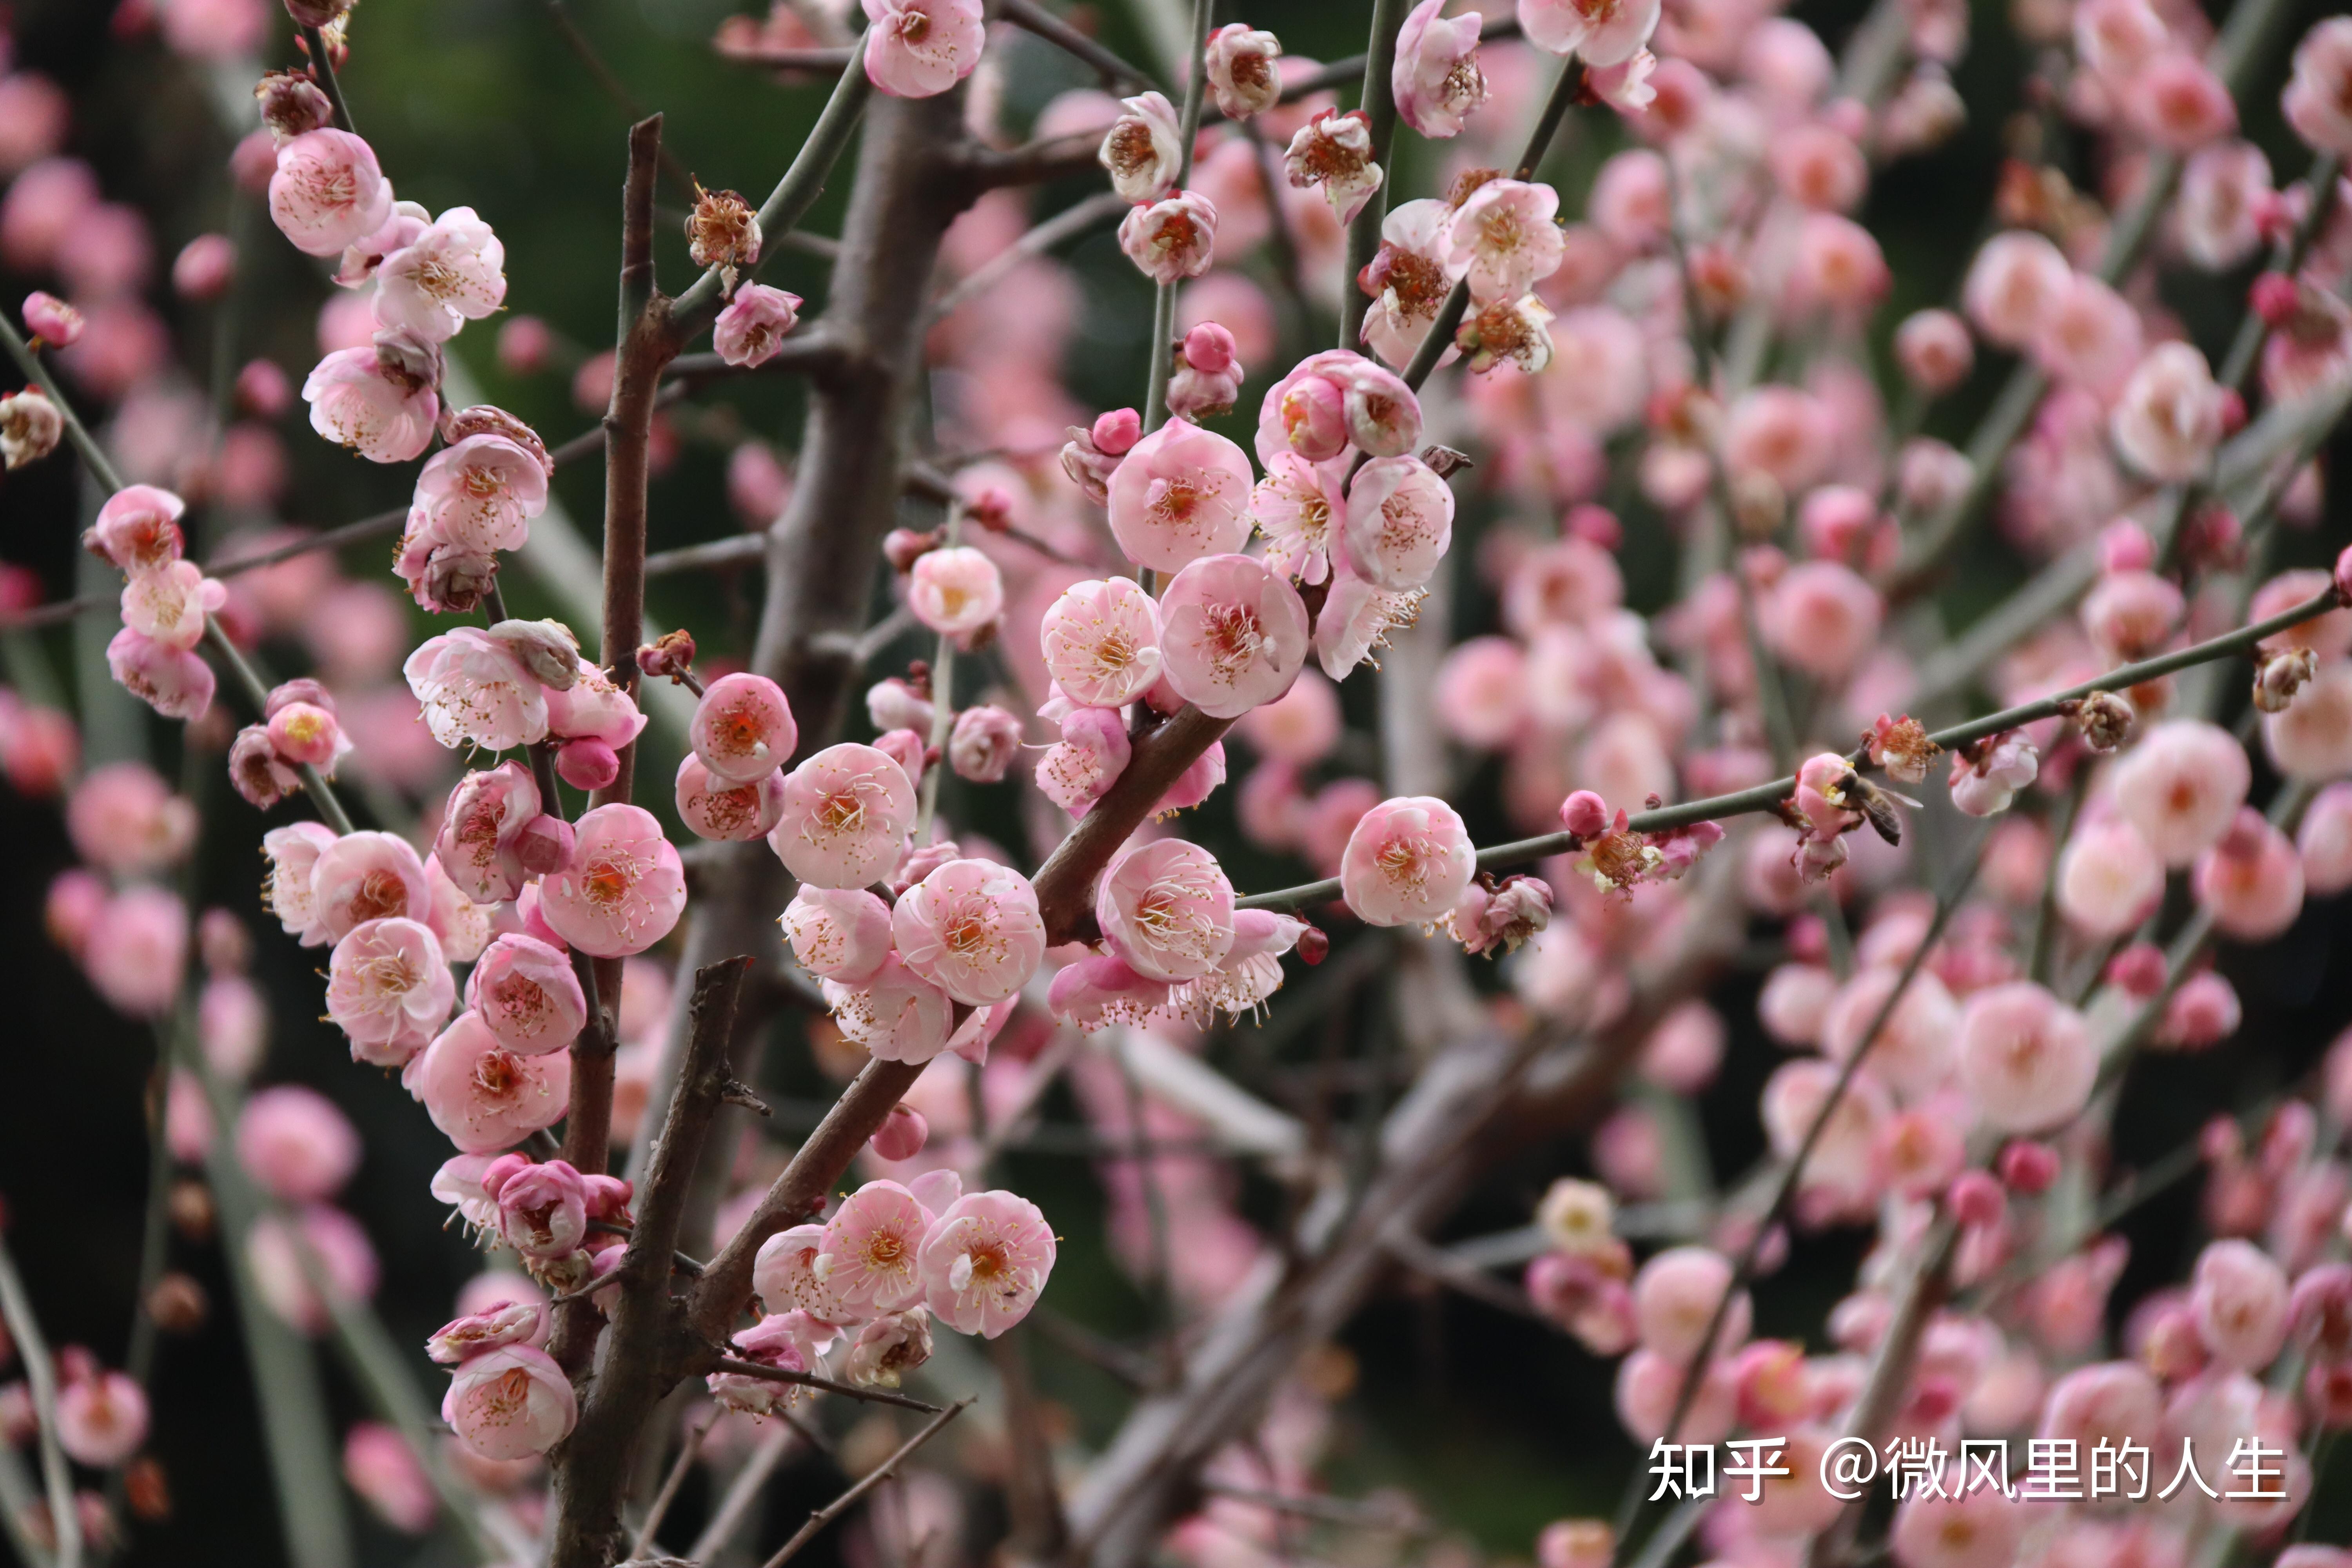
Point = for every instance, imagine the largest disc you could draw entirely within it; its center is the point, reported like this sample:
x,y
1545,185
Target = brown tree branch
x,y
650,1347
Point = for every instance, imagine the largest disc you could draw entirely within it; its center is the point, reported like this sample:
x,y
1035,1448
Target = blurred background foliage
x,y
1496,1423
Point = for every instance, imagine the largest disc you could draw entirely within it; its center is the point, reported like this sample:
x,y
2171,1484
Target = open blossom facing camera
x,y
1165,911
957,590
389,989
329,192
1502,240
846,813
1180,493
984,1262
743,728
971,928
527,995
1408,862
1101,642
510,1403
1235,635
2169,417
383,400
624,888
920,48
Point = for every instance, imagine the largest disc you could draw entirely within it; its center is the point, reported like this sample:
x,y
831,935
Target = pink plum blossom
x,y
101,1418
1233,634
887,1348
1406,279
1437,81
484,1096
328,192
784,1275
1987,777
2318,98
2250,881
293,854
751,331
920,48
1505,239
138,529
174,682
625,888
1144,150
450,274
2109,880
1408,861
51,320
593,708
379,1464
984,1262
846,813
1333,151
1101,642
382,401
713,808
2239,1298
1180,493
1598,32
339,1256
971,928
956,591
527,995
867,1256
368,876
389,989
1933,348
896,1014
1400,523
2014,286
480,493
1167,910
510,1403
839,933
543,1210
1296,507
2169,418
168,605
1241,70
2181,786
1675,1300
2311,741
296,1143
743,728
2176,101
2027,1058
1079,770
474,688
983,743
1172,238
481,830
1820,617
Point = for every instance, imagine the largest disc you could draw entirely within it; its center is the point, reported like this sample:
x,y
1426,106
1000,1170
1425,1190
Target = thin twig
x,y
1329,1509
323,70
1163,305
741,1493
41,1371
1032,18
1764,797
881,1473
688,1453
1378,105
617,90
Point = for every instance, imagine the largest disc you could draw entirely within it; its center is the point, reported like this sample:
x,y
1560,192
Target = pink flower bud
x,y
101,1417
1934,350
1115,432
905,748
543,1211
901,1135
2240,1300
587,763
51,320
296,1145
983,743
524,343
303,733
511,1403
204,268
1585,814
956,591
902,547
2028,1167
1976,1199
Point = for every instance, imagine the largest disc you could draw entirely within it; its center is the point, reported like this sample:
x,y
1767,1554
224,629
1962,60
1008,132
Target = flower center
x,y
1233,640
497,1074
382,895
